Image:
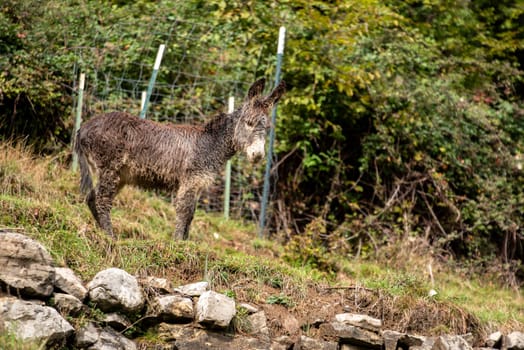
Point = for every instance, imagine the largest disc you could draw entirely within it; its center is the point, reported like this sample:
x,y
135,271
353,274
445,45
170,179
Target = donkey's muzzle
x,y
256,150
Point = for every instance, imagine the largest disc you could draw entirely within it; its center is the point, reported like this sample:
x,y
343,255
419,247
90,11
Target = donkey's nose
x,y
256,150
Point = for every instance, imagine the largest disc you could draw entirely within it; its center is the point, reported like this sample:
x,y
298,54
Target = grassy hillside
x,y
40,197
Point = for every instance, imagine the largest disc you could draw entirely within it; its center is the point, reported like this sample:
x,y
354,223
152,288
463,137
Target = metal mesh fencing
x,y
198,74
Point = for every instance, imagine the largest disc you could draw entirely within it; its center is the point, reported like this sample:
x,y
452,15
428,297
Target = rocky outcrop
x,y
183,318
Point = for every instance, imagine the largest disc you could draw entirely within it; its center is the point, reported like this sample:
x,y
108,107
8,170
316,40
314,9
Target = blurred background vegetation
x,y
403,123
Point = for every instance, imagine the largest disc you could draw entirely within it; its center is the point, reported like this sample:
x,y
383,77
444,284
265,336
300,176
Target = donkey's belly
x,y
155,184
148,180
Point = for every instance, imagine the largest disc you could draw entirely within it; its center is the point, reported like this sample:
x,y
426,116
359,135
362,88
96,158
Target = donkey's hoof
x,y
180,237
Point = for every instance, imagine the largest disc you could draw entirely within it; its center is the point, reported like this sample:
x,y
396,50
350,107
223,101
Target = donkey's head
x,y
254,121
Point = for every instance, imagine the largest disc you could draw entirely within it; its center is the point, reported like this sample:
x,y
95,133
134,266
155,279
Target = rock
x,y
87,336
189,338
93,338
117,321
204,339
411,340
352,347
215,309
157,285
514,341
351,335
361,321
116,290
283,342
280,318
67,304
249,308
193,289
391,339
469,338
26,266
451,342
307,343
68,282
494,340
171,332
258,322
33,322
171,308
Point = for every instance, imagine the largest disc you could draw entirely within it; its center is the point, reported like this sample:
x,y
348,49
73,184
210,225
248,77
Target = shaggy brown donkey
x,y
122,149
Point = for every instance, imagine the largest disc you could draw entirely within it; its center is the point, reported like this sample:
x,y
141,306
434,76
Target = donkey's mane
x,y
216,123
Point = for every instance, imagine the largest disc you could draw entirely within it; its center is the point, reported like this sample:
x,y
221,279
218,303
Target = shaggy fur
x,y
122,149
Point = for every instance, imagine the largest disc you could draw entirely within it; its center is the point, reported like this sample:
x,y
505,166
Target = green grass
x,y
40,197
8,341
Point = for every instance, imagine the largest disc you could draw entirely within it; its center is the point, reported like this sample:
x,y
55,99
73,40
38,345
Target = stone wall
x,y
47,304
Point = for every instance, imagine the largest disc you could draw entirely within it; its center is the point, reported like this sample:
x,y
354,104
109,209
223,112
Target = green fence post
x,y
265,192
227,190
156,67
78,118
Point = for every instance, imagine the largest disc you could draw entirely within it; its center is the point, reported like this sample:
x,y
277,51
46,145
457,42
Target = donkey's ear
x,y
257,88
275,95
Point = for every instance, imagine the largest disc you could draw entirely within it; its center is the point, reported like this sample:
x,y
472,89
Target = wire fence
x,y
199,72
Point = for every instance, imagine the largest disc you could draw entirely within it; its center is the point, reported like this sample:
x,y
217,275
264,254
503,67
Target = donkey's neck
x,y
218,138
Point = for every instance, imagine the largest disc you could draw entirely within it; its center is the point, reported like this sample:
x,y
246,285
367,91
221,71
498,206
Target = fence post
x,y
227,190
265,192
143,100
78,118
159,55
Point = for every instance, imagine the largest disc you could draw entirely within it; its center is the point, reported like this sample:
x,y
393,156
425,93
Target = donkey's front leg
x,y
185,204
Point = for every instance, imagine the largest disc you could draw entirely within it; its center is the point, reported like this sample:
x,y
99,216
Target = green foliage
x,y
240,322
280,299
8,341
402,119
307,250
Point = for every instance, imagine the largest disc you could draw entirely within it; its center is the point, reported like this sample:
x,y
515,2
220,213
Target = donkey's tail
x,y
86,182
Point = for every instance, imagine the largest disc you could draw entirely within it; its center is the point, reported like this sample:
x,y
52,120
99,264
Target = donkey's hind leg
x,y
91,200
185,204
107,188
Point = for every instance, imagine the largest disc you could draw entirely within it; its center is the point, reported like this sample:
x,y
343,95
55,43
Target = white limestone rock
x,y
68,282
361,321
27,266
193,289
215,309
34,322
171,308
67,304
116,290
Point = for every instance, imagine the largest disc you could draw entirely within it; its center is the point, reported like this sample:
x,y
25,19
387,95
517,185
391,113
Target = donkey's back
x,y
139,152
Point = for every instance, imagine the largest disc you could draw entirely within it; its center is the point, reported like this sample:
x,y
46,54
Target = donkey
x,y
122,149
